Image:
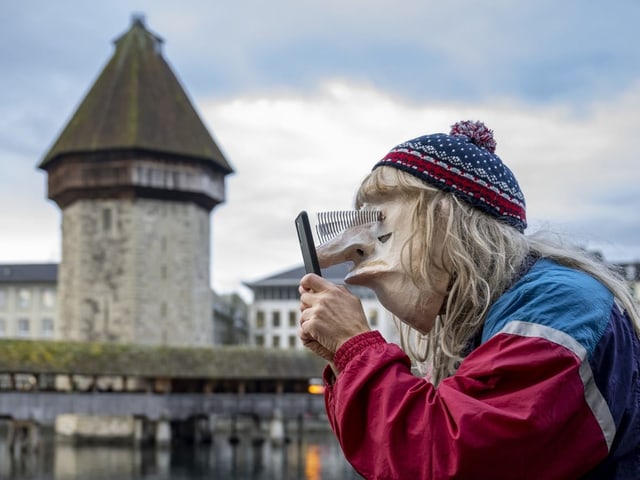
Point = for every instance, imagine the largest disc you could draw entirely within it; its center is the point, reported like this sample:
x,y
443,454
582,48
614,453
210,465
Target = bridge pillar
x,y
276,429
201,430
138,431
144,431
163,433
23,435
234,439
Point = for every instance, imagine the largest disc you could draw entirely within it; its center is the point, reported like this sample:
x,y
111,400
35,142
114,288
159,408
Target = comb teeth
x,y
332,224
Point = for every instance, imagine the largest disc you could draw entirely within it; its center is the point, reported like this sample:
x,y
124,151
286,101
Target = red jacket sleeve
x,y
514,409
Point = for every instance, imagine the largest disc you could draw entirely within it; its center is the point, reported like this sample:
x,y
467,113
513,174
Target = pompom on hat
x,y
464,163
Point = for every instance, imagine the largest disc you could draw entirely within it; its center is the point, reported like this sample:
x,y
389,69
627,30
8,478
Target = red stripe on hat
x,y
434,171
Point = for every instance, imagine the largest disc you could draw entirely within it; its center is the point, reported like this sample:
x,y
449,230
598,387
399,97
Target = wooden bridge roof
x,y
220,362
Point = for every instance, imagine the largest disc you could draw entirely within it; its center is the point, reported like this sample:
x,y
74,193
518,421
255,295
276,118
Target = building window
x,y
3,298
24,298
259,340
48,298
3,327
293,340
260,319
275,318
23,327
293,318
276,341
47,327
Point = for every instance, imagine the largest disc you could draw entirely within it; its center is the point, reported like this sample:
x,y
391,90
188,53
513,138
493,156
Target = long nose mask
x,y
351,245
370,247
342,236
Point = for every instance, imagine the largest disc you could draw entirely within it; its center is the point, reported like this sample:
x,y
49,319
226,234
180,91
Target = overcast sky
x,y
304,97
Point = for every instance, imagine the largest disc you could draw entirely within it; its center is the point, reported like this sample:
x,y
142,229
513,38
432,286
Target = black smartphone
x,y
305,237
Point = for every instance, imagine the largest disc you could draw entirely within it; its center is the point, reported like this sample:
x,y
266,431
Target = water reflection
x,y
313,456
312,463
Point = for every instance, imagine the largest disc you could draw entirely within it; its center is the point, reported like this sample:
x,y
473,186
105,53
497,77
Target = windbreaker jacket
x,y
551,392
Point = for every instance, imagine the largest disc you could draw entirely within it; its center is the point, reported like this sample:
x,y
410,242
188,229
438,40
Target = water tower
x,y
136,175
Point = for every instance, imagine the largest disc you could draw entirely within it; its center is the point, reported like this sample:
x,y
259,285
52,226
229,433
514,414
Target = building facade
x,y
29,307
28,301
274,315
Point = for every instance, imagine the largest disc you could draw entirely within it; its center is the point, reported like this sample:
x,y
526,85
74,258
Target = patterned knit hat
x,y
464,163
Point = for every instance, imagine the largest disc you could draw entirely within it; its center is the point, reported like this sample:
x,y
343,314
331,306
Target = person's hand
x,y
313,345
331,315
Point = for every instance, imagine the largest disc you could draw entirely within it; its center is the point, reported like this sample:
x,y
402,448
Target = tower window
x,y
106,219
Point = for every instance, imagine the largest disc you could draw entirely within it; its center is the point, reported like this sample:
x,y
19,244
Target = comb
x,y
331,224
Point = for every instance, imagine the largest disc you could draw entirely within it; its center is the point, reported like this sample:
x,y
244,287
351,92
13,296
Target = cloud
x,y
294,152
422,49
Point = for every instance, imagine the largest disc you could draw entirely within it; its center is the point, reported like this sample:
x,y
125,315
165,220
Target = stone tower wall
x,y
135,271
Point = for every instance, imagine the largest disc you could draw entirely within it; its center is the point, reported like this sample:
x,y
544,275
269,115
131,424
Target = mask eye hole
x,y
384,238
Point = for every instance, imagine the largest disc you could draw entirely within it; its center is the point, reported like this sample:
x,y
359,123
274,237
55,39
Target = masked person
x,y
528,347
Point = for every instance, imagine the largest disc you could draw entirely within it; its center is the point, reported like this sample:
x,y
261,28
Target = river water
x,y
311,456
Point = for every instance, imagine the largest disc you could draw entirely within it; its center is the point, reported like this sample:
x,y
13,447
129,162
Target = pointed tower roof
x,y
137,103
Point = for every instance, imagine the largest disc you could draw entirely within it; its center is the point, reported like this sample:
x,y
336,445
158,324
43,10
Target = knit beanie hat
x,y
464,163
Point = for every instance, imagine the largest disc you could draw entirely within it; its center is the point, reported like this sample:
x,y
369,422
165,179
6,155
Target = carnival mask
x,y
377,251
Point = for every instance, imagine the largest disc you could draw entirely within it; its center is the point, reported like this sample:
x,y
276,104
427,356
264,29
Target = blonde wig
x,y
481,256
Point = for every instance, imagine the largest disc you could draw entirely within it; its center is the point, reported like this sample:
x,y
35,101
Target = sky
x,y
304,97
